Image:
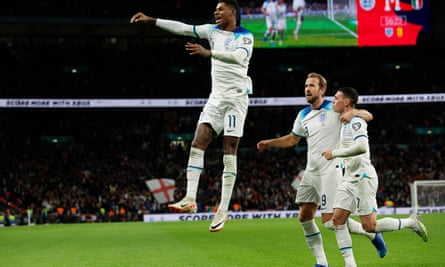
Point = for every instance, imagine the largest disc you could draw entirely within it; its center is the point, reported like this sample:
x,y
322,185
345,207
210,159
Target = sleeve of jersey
x,y
360,144
176,27
240,55
357,148
297,129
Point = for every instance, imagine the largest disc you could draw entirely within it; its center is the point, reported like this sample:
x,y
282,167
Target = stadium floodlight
x,y
427,194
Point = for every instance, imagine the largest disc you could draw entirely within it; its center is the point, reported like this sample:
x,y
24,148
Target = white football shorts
x,y
357,196
319,189
226,114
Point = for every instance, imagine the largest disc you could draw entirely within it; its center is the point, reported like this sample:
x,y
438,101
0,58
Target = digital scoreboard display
x,y
391,22
344,23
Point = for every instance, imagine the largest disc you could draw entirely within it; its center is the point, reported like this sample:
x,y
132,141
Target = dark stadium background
x,y
42,42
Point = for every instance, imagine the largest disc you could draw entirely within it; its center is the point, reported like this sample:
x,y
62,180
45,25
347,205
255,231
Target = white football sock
x,y
393,224
344,242
314,241
228,180
194,169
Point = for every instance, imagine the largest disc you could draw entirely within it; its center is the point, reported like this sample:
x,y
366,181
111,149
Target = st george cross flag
x,y
162,189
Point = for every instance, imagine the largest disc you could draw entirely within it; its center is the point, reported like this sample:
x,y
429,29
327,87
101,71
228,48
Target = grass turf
x,y
244,243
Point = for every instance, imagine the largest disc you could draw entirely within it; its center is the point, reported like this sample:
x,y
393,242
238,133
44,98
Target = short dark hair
x,y
235,5
350,93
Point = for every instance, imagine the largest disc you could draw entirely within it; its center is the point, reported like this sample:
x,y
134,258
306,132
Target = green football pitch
x,y
316,31
243,243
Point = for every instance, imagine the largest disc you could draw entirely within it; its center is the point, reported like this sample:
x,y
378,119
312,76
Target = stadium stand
x,y
97,161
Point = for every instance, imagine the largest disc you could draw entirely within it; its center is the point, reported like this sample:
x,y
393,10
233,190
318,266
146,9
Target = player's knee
x,y
303,218
338,220
307,211
369,227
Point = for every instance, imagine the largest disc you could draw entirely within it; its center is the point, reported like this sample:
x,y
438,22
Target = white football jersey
x,y
357,167
321,127
281,12
231,54
271,7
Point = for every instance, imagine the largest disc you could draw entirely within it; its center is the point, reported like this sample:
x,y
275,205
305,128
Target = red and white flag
x,y
162,189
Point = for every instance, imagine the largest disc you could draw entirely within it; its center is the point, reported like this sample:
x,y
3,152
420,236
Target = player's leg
x,y
368,222
269,28
371,224
298,21
272,38
234,119
366,204
204,135
329,196
414,222
312,233
345,198
308,199
230,144
342,236
274,31
281,36
228,182
342,206
281,30
210,124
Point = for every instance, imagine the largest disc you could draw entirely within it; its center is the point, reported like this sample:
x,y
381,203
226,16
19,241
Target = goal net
x,y
342,10
343,13
428,194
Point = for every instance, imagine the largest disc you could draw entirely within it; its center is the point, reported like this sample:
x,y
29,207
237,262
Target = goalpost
x,y
340,11
427,193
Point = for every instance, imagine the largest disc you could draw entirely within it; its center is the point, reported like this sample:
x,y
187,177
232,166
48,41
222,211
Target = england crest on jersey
x,y
228,41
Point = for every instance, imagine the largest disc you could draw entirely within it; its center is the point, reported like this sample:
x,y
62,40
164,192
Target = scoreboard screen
x,y
346,23
391,22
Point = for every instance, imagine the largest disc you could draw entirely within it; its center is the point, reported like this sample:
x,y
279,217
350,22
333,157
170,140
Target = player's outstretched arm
x,y
282,142
141,17
172,26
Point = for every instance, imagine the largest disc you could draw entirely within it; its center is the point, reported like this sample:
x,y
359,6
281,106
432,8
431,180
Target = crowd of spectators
x,y
69,165
91,165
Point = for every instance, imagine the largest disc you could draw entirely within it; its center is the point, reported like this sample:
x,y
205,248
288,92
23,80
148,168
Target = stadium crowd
x,y
91,165
71,165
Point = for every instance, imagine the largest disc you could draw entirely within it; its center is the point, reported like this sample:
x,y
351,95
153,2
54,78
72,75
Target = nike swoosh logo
x,y
216,226
184,205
